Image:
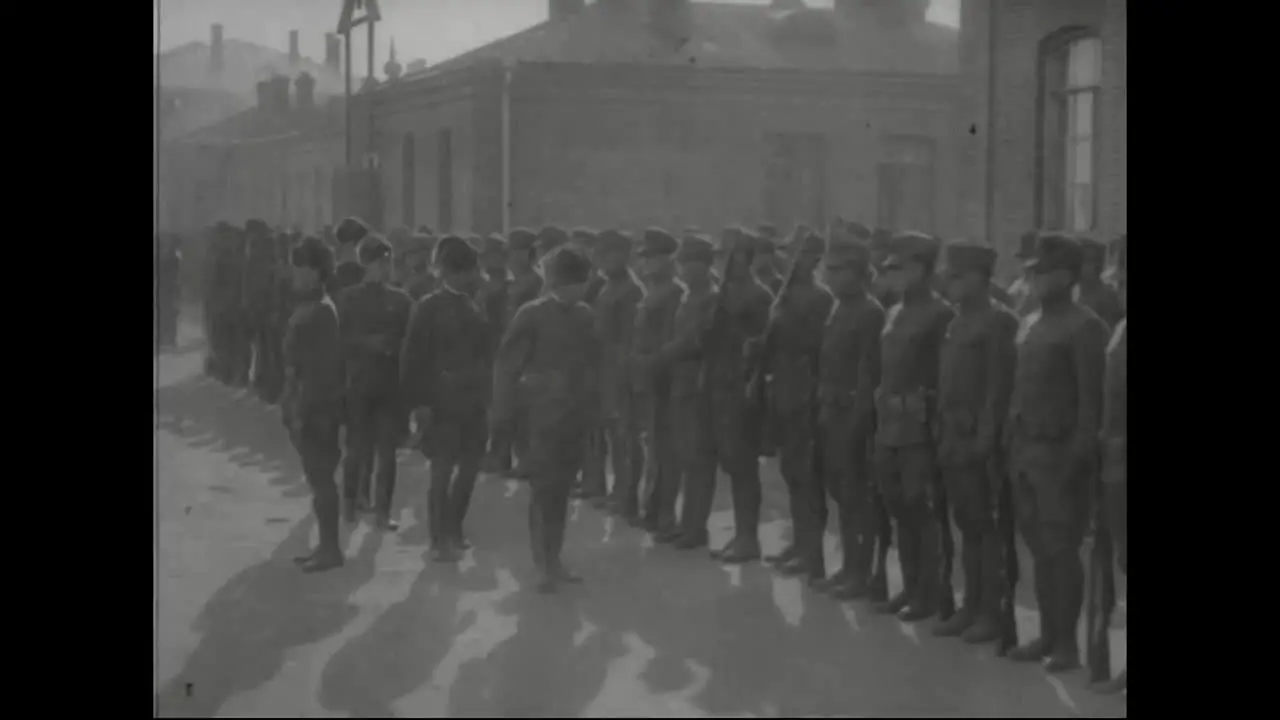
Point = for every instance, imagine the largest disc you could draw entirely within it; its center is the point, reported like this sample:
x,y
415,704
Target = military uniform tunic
x,y
373,318
904,459
794,342
615,315
1115,447
521,290
849,371
312,402
978,358
1054,420
652,394
549,364
690,409
444,368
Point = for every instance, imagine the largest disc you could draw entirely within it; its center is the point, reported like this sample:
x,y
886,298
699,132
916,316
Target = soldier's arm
x,y
817,310
942,318
756,317
868,328
593,352
416,360
1001,358
294,351
513,353
687,342
1089,345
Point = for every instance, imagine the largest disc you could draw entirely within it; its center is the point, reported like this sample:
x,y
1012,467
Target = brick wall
x,y
634,146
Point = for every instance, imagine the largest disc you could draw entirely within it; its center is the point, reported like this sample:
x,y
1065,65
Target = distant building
x,y
630,113
202,84
1058,92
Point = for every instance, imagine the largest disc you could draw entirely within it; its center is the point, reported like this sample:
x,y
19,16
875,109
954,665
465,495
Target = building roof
x,y
726,35
243,65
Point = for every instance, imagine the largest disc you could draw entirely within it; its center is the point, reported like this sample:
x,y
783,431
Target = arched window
x,y
1071,82
408,181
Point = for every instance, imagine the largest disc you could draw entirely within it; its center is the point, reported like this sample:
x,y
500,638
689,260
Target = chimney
x,y
215,48
333,52
280,93
264,95
561,10
293,48
670,21
306,87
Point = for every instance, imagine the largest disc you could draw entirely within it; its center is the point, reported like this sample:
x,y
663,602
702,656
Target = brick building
x,y
635,112
1055,103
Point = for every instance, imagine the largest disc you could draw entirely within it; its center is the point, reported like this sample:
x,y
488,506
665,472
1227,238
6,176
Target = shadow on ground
x,y
254,619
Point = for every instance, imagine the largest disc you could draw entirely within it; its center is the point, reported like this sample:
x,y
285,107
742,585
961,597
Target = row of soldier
x,y
908,410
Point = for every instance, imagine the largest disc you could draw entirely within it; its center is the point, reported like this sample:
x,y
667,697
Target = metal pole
x,y
347,60
993,77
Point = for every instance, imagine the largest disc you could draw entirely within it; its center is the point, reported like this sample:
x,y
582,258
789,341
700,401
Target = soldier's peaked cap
x,y
425,229
615,240
964,256
453,254
521,239
257,226
1093,250
1027,245
768,230
881,239
807,241
586,236
912,246
475,241
311,252
372,249
351,230
1056,251
494,244
551,237
568,266
696,248
658,243
847,251
858,231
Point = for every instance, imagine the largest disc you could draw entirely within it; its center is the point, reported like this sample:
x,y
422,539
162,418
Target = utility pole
x,y
355,13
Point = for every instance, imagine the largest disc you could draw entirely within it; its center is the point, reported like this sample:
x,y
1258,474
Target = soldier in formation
x,y
907,409
373,316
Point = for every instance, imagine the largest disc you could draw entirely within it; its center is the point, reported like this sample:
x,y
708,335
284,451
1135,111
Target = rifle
x,y
946,592
756,385
1005,525
1101,596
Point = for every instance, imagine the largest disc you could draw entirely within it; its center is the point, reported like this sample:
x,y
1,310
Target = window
x,y
408,180
1068,181
795,179
444,160
905,184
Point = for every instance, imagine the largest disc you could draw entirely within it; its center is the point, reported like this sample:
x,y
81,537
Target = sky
x,y
433,30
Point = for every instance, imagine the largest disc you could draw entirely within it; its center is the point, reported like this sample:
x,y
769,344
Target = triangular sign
x,y
358,12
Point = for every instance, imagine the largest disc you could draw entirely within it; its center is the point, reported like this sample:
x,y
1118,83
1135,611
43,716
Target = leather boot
x,y
924,598
1069,573
328,553
986,628
743,549
971,557
1037,649
1117,684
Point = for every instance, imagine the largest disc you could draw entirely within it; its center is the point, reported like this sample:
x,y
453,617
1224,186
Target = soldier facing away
x,y
976,379
312,403
906,412
373,317
1054,420
445,376
525,286
550,351
849,371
